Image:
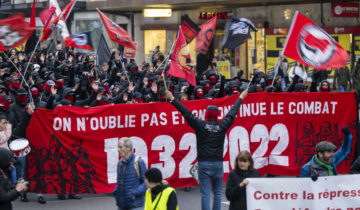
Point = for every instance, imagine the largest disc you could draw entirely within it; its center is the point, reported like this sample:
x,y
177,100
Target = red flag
x,y
205,36
32,18
14,31
309,44
53,23
46,14
67,10
181,66
116,33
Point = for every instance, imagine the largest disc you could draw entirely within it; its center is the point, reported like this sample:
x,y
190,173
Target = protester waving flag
x,y
189,28
49,28
31,42
310,45
14,31
205,36
103,53
237,31
181,64
80,40
116,33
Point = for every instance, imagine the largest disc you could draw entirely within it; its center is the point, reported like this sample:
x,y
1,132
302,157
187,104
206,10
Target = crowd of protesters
x,y
64,77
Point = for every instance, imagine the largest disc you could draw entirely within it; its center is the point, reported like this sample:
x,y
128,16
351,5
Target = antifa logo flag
x,y
181,65
116,33
189,28
205,36
81,41
103,52
237,31
14,31
308,44
31,42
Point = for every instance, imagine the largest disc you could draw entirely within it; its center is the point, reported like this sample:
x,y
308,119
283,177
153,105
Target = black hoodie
x,y
210,135
7,192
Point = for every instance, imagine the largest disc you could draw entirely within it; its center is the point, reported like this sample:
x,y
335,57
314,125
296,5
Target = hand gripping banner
x,y
74,149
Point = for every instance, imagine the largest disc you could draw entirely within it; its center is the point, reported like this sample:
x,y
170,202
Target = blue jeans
x,y
210,174
342,88
20,166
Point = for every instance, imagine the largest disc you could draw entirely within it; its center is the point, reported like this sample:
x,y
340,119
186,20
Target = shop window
x,y
153,38
256,50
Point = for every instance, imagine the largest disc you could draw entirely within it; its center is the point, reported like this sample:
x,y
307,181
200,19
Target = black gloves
x,y
314,177
346,130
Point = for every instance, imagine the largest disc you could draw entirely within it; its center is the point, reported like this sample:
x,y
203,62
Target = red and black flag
x,y
310,45
189,28
80,40
116,33
237,31
181,63
14,31
31,42
205,36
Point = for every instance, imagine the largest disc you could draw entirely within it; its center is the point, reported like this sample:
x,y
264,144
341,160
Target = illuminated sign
x,y
157,12
209,15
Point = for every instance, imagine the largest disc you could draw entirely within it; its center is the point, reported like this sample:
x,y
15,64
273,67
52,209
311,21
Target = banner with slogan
x,y
74,149
327,193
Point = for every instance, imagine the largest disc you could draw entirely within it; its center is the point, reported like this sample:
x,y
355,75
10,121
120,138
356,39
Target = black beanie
x,y
154,175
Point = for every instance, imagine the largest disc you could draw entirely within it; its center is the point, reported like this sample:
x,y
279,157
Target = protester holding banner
x,y
236,182
159,196
324,162
7,192
210,136
130,187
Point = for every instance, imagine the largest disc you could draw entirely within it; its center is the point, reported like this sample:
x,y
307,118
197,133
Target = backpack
x,y
136,166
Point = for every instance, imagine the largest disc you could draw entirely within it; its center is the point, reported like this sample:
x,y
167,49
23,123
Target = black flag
x,y
189,28
103,52
237,31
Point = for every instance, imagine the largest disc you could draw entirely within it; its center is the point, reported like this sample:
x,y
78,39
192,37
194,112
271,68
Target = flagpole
x,y
276,68
167,61
32,54
22,77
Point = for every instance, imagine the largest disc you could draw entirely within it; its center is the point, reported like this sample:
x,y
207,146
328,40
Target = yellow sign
x,y
224,68
157,12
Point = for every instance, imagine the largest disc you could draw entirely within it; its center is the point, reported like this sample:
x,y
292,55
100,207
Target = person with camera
x,y
8,193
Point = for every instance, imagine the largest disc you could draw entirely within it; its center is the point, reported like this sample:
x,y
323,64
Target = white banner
x,y
327,193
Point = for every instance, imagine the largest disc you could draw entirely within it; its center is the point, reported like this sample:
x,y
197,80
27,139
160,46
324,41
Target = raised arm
x,y
230,116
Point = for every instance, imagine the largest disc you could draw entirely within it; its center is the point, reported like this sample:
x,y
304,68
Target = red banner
x,y
345,9
74,149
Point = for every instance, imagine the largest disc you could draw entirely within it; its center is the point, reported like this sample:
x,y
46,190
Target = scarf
x,y
325,165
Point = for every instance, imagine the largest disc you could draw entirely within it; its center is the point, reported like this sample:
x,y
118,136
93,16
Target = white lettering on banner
x,y
112,158
279,133
140,148
313,107
64,124
188,141
144,118
330,193
166,144
175,117
163,120
238,140
279,110
260,134
80,124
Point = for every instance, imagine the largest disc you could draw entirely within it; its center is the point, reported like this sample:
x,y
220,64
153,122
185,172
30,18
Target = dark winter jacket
x,y
355,168
210,135
128,185
7,192
234,193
